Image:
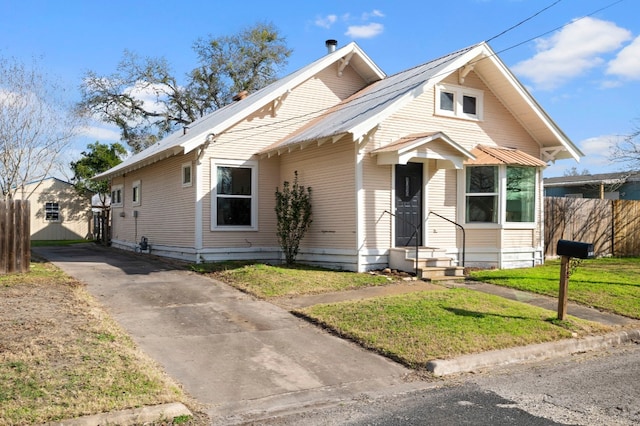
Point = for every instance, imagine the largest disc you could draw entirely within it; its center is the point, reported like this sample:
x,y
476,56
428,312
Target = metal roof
x,y
220,120
491,156
596,179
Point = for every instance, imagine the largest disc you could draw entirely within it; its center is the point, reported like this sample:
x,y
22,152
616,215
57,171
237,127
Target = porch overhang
x,y
424,146
494,156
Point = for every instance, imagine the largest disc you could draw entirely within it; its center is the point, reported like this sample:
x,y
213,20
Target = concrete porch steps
x,y
433,264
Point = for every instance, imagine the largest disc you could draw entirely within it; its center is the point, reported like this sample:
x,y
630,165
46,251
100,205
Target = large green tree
x,y
98,158
147,101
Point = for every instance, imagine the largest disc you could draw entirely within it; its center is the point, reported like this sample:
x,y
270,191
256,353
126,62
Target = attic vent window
x,y
459,102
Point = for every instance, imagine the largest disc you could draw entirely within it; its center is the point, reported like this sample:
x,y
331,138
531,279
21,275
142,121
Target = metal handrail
x,y
415,232
459,226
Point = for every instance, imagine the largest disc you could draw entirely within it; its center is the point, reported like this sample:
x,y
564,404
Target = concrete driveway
x,y
241,357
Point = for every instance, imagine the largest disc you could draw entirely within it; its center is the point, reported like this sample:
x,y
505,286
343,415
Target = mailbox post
x,y
568,249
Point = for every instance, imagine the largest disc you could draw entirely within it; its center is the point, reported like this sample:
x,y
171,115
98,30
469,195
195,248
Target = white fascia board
x,y
573,150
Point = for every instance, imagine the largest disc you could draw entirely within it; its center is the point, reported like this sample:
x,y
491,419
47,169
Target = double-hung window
x,y
458,101
496,194
234,195
116,196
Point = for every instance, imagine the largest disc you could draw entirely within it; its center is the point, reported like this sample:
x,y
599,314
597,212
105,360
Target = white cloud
x,y
571,51
100,133
326,22
365,31
627,63
375,13
150,95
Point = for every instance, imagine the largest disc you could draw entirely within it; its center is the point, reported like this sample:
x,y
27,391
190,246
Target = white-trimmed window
x,y
52,212
187,176
116,196
234,195
135,193
496,194
459,101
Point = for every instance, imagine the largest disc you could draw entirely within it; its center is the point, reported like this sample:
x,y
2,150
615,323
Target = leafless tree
x,y
35,125
627,150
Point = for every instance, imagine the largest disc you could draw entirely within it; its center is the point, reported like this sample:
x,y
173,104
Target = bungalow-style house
x,y
58,211
605,186
446,156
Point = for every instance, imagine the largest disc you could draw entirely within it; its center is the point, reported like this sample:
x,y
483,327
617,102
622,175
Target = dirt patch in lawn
x,y
62,356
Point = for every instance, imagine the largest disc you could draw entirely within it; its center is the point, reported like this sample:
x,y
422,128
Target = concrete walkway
x,y
239,356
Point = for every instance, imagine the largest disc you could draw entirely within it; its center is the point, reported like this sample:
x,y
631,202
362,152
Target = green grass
x,y
269,281
610,284
416,328
45,243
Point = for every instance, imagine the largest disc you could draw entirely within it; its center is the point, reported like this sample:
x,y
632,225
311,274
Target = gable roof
x,y
206,128
362,112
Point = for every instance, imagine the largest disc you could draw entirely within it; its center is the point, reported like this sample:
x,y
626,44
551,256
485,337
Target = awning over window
x,y
432,146
493,155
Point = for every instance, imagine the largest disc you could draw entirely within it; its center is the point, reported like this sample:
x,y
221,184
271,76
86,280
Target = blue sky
x,y
584,72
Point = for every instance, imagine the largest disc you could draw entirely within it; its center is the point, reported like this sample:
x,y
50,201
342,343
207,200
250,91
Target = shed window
x,y
52,212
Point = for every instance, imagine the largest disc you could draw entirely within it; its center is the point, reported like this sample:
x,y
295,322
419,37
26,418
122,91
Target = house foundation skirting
x,y
346,260
519,257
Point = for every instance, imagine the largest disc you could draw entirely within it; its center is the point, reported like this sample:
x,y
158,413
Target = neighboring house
x,y
608,186
458,136
58,212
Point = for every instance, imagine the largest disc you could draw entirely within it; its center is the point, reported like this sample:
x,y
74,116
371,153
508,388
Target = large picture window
x,y
234,195
495,192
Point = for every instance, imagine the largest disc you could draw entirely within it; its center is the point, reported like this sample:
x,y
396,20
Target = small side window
x,y
135,193
187,177
116,196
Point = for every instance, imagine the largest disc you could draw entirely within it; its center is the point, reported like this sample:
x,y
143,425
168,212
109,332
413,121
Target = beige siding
x,y
498,126
441,199
317,165
75,211
167,209
330,172
483,238
517,238
377,197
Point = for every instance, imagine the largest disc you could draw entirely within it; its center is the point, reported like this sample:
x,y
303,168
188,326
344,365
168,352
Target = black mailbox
x,y
575,249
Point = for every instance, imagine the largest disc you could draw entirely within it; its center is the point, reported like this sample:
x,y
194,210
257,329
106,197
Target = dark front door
x,y
408,204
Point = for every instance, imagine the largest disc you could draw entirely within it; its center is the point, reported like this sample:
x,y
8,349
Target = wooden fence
x,y
15,236
613,226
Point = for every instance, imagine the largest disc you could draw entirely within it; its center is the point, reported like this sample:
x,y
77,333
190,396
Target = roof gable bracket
x,y
277,103
464,71
550,153
343,63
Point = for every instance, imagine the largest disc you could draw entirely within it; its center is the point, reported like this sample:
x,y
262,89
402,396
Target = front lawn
x,y
610,284
270,281
416,328
413,328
